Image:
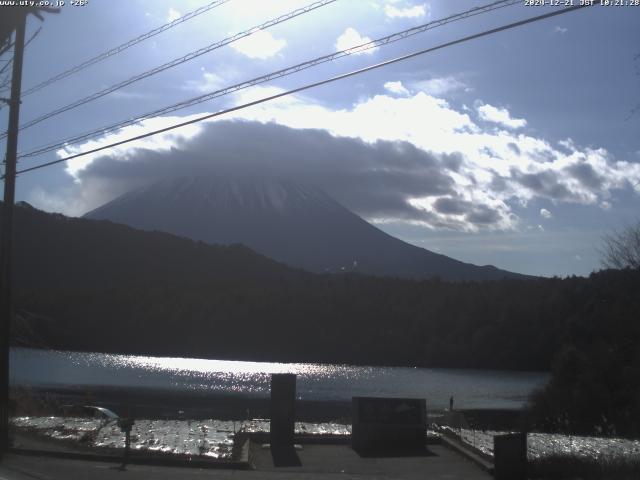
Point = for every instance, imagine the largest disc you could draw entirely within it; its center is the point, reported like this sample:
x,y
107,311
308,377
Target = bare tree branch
x,y
621,249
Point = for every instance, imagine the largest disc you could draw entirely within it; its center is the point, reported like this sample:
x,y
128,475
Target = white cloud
x,y
77,199
560,30
568,144
209,81
501,116
397,88
351,38
124,153
256,93
490,171
486,171
173,14
440,86
261,45
128,95
407,12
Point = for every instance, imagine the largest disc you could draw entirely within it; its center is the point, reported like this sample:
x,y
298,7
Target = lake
x,y
316,382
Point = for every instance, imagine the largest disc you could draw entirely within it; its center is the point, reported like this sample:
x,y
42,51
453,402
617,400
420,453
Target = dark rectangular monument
x,y
283,396
389,424
510,456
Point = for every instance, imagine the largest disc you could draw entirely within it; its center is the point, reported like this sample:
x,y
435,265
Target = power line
x,y
124,46
278,74
312,85
6,66
10,62
177,61
31,38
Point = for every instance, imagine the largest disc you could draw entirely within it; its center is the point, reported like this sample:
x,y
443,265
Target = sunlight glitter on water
x,y
225,367
471,388
228,375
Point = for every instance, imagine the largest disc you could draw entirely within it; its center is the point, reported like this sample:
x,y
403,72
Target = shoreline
x,y
156,403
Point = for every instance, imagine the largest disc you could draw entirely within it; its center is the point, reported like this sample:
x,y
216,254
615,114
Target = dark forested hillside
x,y
55,251
93,285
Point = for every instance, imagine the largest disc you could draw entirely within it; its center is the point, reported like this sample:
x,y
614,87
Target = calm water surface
x,y
471,388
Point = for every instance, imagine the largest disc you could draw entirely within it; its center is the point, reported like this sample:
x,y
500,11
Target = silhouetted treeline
x,y
595,384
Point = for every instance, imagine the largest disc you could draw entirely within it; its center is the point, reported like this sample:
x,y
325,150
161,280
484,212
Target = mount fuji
x,y
294,223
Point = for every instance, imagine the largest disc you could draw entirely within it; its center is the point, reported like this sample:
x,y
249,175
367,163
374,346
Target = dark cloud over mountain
x,y
374,180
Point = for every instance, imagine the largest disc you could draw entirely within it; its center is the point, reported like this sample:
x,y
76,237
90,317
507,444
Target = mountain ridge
x,y
293,223
52,250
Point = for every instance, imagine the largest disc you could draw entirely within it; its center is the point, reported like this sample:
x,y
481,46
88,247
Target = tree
x,y
621,249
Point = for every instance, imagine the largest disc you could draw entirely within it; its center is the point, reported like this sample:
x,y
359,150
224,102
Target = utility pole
x,y
6,310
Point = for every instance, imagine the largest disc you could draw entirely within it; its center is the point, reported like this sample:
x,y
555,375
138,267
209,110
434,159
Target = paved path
x,y
317,461
327,460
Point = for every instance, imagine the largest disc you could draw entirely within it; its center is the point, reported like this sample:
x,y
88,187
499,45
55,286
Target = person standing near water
x,y
451,403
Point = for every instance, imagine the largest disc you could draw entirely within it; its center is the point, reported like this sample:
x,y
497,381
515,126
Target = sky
x,y
520,149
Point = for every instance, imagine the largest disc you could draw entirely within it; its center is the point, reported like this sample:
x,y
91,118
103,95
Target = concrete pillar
x,y
283,396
